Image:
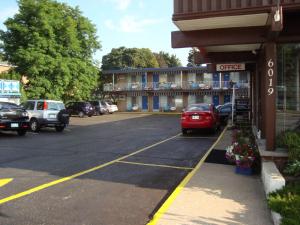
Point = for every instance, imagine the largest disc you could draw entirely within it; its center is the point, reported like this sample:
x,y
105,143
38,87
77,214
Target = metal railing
x,y
186,85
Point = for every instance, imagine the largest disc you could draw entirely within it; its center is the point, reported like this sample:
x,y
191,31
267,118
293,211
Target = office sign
x,y
230,67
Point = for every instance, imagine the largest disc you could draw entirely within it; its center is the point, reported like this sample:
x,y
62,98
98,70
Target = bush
x,y
286,202
291,141
293,168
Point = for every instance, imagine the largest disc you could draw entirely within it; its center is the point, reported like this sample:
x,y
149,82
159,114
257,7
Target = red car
x,y
200,116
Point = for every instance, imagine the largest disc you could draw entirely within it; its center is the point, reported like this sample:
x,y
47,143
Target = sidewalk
x,y
215,195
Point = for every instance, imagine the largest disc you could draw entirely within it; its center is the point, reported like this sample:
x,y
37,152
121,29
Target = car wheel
x,y
81,114
59,128
184,131
34,125
21,132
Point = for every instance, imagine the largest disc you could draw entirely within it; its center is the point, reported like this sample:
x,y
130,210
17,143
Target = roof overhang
x,y
251,20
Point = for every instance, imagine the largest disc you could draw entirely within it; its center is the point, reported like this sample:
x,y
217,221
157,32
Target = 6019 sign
x,y
270,76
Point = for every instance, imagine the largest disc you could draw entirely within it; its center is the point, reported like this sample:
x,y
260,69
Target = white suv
x,y
46,113
111,107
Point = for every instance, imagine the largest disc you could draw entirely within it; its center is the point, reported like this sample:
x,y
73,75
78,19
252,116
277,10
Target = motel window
x,y
288,88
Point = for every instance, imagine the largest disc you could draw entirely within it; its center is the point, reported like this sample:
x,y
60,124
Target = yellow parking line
x,y
157,165
161,211
64,179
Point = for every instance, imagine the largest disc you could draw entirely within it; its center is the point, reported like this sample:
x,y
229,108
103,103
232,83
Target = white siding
x,y
129,103
163,78
163,101
207,99
191,77
178,101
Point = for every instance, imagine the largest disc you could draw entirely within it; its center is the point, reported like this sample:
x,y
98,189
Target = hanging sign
x,y
230,67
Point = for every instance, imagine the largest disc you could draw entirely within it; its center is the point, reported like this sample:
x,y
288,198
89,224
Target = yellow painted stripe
x,y
5,181
157,165
55,182
182,184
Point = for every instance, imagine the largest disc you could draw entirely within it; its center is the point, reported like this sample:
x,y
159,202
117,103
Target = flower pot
x,y
243,170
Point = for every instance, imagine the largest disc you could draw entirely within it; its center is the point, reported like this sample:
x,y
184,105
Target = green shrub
x,y
286,202
293,168
291,141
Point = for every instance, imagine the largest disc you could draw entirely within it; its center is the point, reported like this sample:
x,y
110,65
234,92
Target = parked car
x,y
225,111
200,116
100,107
81,109
13,118
46,113
111,107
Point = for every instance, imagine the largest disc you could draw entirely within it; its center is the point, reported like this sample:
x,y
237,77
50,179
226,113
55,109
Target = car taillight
x,y
45,105
2,125
208,117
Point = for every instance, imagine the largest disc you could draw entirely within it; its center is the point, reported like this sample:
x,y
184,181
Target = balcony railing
x,y
189,7
156,86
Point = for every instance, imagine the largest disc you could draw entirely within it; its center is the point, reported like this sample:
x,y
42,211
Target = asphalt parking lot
x,y
112,169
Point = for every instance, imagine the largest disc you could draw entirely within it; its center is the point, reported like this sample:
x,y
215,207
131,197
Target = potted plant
x,y
242,152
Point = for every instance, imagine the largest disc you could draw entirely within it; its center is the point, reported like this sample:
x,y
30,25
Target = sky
x,y
129,23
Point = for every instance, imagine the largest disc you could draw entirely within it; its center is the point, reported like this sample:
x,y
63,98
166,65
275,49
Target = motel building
x,y
172,89
254,43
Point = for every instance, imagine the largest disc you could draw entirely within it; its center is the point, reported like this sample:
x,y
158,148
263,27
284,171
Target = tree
x,y
164,59
129,57
52,44
191,59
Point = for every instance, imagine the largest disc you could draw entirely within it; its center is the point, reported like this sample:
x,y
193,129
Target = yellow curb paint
x,y
182,184
5,181
55,182
157,165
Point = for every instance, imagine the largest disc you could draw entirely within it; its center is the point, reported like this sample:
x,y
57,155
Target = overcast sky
x,y
129,23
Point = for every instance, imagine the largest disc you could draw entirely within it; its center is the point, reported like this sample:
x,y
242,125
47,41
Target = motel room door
x,y
155,103
216,101
145,103
155,82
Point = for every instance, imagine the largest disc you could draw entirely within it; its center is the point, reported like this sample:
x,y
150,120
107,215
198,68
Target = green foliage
x,y
52,44
129,57
286,202
290,140
164,59
293,168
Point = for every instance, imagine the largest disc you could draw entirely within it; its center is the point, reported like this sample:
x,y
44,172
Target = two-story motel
x,y
172,89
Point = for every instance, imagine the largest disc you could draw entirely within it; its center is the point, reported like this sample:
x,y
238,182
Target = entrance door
x,y
216,80
155,81
155,103
144,80
226,80
216,100
226,98
145,103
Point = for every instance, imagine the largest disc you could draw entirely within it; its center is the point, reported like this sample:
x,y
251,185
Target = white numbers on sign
x,y
270,75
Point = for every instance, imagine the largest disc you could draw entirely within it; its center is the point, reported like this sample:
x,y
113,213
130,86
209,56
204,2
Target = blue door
x,y
226,80
216,80
226,98
144,80
155,103
155,81
145,103
216,100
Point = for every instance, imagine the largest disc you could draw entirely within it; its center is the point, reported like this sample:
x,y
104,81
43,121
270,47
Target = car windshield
x,y
198,107
6,105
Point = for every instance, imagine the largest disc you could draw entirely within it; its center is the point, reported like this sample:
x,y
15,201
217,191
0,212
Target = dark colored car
x,y
13,118
100,107
200,116
81,109
226,109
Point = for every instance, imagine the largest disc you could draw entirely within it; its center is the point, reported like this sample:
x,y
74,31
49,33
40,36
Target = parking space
x,y
113,169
